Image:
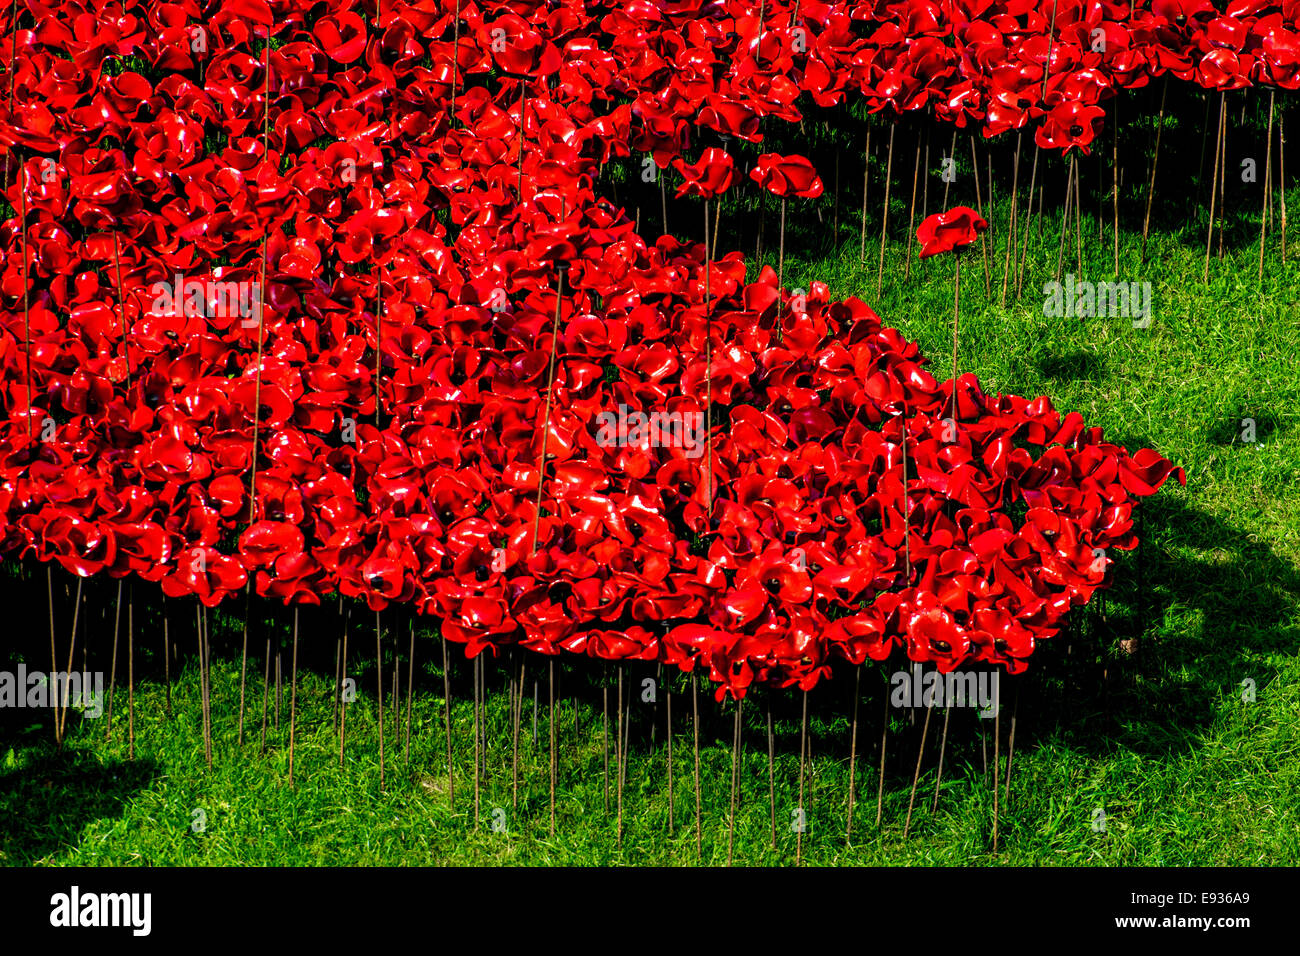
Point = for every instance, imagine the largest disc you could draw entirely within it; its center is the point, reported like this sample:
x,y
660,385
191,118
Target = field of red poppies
x,y
339,305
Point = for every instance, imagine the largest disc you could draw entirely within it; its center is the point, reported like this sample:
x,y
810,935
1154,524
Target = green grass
x,y
1186,771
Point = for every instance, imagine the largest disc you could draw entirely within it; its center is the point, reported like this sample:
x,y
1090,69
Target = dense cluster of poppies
x,y
441,304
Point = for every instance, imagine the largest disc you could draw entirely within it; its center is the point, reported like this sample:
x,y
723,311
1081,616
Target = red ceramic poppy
x,y
708,177
946,231
786,176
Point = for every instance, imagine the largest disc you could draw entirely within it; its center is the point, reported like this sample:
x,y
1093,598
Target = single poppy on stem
x,y
786,176
711,175
951,231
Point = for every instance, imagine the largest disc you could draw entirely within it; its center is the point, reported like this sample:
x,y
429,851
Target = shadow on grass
x,y
1073,366
1232,428
1132,672
48,798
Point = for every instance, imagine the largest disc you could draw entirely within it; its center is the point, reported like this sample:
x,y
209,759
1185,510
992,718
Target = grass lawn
x,y
1185,771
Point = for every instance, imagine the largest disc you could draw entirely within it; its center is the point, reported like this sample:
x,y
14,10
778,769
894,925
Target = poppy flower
x,y
946,231
1070,124
710,176
787,176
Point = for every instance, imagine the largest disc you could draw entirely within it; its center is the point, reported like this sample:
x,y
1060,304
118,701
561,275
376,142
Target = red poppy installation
x,y
404,453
